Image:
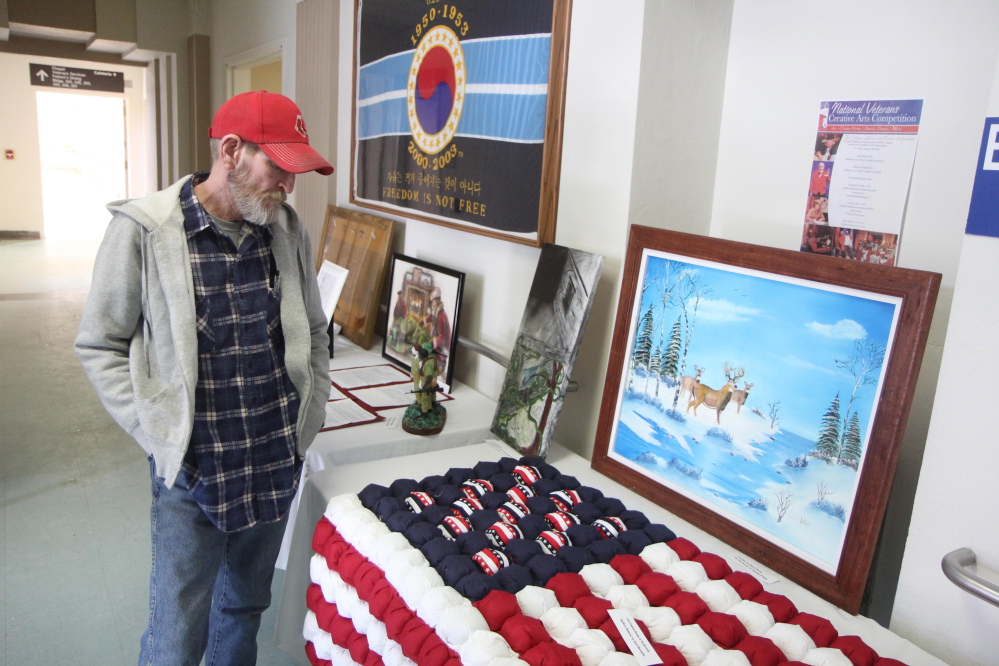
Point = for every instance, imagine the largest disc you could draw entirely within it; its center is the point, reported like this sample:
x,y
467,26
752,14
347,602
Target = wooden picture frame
x,y
794,469
424,306
458,113
361,243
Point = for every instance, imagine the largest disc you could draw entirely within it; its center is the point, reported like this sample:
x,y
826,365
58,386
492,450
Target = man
x,y
819,183
205,338
439,327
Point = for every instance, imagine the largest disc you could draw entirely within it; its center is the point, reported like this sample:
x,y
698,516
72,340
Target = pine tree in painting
x,y
671,360
828,444
654,367
643,342
852,445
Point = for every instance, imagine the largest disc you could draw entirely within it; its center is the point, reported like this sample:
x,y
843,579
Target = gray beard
x,y
256,208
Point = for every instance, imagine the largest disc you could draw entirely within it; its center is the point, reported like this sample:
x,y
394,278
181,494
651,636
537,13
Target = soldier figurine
x,y
425,416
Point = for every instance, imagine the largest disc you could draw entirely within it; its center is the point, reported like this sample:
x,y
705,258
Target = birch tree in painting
x,y
864,365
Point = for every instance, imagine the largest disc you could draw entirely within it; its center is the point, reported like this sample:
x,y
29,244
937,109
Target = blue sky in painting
x,y
788,337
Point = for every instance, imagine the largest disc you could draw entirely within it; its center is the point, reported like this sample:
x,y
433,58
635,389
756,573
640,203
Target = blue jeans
x,y
207,588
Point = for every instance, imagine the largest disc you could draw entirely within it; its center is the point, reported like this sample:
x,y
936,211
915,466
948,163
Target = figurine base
x,y
415,422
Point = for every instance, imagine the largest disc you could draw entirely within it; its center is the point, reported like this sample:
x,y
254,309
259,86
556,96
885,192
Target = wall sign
x,y
861,166
983,215
56,76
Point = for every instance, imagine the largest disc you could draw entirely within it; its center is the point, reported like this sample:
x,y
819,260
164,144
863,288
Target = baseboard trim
x,y
20,235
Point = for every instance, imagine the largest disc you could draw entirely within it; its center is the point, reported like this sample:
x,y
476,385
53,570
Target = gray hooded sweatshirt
x,y
138,339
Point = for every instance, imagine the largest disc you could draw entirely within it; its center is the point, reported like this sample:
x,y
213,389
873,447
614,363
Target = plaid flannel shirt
x,y
242,465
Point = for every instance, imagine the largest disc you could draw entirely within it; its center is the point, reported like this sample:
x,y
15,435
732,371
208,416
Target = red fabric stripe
x,y
761,651
401,624
310,652
685,549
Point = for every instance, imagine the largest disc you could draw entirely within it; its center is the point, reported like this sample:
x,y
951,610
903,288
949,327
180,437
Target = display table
x,y
469,416
351,479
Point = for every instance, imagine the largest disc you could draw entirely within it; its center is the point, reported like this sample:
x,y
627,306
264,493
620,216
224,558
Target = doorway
x,y
259,68
82,149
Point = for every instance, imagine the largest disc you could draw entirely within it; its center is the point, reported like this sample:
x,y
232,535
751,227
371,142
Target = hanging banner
x,y
983,214
861,167
457,113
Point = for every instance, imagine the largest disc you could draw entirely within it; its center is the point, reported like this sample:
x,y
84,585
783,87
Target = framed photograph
x,y
458,113
361,244
424,306
761,394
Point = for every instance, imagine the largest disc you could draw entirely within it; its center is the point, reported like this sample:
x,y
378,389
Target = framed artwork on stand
x,y
551,331
458,113
424,307
762,394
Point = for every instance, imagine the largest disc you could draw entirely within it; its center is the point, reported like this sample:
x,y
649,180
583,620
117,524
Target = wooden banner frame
x,y
420,165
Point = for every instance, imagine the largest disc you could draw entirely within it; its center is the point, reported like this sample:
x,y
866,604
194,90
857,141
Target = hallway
x,y
74,488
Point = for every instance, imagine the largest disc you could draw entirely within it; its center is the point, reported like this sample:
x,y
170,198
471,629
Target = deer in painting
x,y
687,383
716,399
739,396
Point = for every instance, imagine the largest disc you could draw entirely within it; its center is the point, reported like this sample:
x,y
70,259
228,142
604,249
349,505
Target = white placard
x,y
331,279
639,645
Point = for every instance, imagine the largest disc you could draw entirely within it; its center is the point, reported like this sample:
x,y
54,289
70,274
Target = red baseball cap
x,y
274,123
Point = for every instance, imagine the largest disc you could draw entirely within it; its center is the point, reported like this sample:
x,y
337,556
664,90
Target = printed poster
x,y
861,167
982,219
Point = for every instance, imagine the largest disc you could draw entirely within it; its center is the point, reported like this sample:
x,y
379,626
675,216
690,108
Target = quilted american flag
x,y
512,563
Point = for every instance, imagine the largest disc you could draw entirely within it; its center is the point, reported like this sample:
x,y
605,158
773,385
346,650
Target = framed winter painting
x,y
762,394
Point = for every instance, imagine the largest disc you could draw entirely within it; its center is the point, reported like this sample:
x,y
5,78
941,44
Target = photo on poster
x,y
424,306
550,333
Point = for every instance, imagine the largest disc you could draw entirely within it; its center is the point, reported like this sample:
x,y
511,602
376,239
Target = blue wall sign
x,y
983,214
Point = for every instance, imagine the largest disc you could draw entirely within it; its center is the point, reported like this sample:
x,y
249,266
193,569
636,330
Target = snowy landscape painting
x,y
754,394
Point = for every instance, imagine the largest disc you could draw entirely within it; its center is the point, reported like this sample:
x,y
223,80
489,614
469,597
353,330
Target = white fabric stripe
x,y
323,643
384,97
345,597
470,89
503,38
506,89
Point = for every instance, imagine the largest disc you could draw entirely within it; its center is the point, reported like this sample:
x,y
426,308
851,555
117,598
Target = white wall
x,y
241,26
684,56
20,179
784,58
957,493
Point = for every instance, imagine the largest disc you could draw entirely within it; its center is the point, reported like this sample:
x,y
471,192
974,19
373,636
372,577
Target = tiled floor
x,y
74,488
